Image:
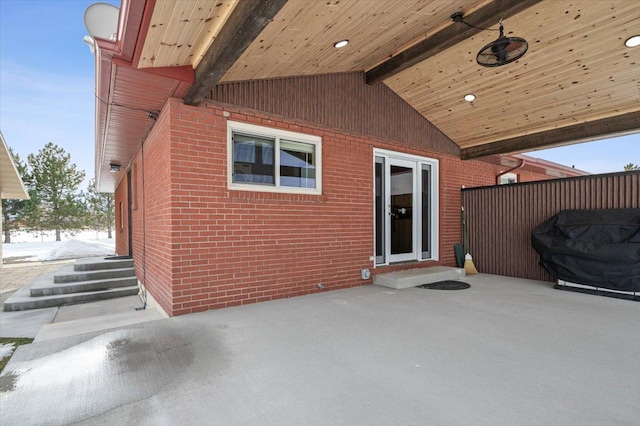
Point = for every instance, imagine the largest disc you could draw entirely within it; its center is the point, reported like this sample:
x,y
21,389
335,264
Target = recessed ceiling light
x,y
632,41
341,43
469,97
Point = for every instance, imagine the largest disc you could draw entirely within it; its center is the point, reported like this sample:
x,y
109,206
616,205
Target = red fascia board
x,y
142,31
184,73
131,13
123,17
107,46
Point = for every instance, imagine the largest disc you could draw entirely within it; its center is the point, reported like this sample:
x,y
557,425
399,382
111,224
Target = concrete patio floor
x,y
504,352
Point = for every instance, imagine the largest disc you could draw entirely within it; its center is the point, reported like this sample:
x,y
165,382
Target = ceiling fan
x,y
501,51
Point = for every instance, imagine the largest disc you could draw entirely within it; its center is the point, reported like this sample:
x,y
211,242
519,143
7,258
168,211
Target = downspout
x,y
143,292
522,163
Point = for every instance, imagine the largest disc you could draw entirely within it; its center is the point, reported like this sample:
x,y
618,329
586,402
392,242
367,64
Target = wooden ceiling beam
x,y
244,24
598,129
453,34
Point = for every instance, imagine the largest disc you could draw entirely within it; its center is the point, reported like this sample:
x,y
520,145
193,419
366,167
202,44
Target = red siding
x,y
200,246
340,101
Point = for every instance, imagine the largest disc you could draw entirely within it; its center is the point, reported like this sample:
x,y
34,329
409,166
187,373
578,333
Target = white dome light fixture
x,y
469,97
341,43
632,41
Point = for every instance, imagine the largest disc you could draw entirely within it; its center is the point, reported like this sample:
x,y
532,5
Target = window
x,y
266,159
508,178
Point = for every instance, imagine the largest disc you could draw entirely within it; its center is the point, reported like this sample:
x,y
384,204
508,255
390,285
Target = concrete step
x,y
100,263
68,274
22,301
46,288
88,280
416,277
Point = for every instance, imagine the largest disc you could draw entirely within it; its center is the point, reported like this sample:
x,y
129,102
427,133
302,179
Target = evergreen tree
x,y
55,180
630,167
13,210
100,205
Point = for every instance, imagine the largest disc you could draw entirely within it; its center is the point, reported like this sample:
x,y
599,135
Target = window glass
x,y
297,164
508,178
273,160
380,209
426,211
253,159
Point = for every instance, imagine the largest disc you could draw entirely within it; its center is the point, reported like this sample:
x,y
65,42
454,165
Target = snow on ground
x,y
6,349
37,246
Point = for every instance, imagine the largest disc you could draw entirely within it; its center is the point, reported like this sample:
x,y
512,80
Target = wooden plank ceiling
x,y
181,32
300,39
577,73
577,69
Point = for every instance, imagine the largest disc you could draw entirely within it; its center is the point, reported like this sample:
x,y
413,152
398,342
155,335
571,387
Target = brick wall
x,y
526,176
200,246
237,247
151,217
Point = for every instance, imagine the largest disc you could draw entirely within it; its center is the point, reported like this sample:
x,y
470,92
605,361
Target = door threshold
x,y
408,263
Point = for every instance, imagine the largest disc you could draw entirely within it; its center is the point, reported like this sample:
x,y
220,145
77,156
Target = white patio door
x,y
405,210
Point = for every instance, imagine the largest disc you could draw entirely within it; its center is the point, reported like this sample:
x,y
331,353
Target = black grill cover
x,y
593,247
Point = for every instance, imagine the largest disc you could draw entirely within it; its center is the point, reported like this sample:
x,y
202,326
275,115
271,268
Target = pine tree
x,y
55,180
100,206
13,210
631,167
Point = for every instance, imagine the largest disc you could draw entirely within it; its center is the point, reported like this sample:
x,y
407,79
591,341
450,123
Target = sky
x,y
47,77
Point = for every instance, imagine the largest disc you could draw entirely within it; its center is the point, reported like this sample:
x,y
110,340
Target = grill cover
x,y
600,248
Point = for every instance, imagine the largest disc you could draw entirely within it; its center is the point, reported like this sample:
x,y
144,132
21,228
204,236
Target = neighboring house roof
x,y
559,92
515,162
11,185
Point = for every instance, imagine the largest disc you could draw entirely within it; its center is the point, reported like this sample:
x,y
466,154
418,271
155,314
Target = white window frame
x,y
506,177
277,134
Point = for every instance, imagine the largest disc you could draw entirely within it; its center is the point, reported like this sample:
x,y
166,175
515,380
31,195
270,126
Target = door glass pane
x,y
401,210
426,211
297,164
380,210
253,159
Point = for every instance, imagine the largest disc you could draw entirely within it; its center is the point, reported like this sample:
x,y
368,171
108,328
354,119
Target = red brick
x,y
198,245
